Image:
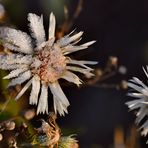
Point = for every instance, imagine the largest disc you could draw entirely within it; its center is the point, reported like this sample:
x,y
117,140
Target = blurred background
x,y
98,114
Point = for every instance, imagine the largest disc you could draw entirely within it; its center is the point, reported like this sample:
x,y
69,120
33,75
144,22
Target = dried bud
x,y
122,70
29,114
44,128
1,137
98,72
2,128
123,84
10,125
113,61
12,143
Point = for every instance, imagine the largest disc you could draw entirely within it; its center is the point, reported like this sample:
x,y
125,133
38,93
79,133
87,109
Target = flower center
x,y
49,63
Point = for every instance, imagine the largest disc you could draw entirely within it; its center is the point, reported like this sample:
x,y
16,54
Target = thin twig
x,y
5,105
66,26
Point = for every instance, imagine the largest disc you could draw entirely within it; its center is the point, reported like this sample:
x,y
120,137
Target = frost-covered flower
x,y
140,91
44,64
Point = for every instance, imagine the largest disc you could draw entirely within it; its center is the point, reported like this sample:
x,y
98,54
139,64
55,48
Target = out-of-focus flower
x,y
42,65
10,125
140,91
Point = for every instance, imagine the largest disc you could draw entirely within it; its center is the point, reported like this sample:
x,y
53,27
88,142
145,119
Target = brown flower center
x,y
50,62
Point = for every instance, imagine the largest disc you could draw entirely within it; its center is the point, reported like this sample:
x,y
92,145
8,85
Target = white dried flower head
x,y
43,65
140,91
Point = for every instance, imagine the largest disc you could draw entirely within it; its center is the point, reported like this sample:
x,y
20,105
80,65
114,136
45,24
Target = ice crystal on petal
x,y
44,64
140,92
37,28
16,38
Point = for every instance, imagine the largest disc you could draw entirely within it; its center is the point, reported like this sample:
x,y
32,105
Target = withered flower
x,y
140,92
44,64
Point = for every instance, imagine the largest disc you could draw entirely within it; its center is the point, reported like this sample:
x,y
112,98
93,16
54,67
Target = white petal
x,y
52,24
141,114
20,39
59,107
145,125
77,41
82,63
6,66
145,71
70,48
75,37
139,86
71,77
88,43
136,87
136,95
22,78
145,102
43,102
35,91
15,59
11,47
86,62
144,133
86,72
58,93
23,90
15,73
66,40
134,104
37,28
136,80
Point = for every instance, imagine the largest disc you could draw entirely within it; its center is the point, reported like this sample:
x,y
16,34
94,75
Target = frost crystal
x,y
43,64
140,91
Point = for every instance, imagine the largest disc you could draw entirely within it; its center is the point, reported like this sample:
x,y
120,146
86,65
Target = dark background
x,y
121,29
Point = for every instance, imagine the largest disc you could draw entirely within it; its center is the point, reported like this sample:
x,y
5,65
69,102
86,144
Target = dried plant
x,y
139,91
42,65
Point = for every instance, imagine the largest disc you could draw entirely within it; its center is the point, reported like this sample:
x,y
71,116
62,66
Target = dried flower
x,y
43,64
122,70
12,142
124,84
10,125
48,134
141,103
29,114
